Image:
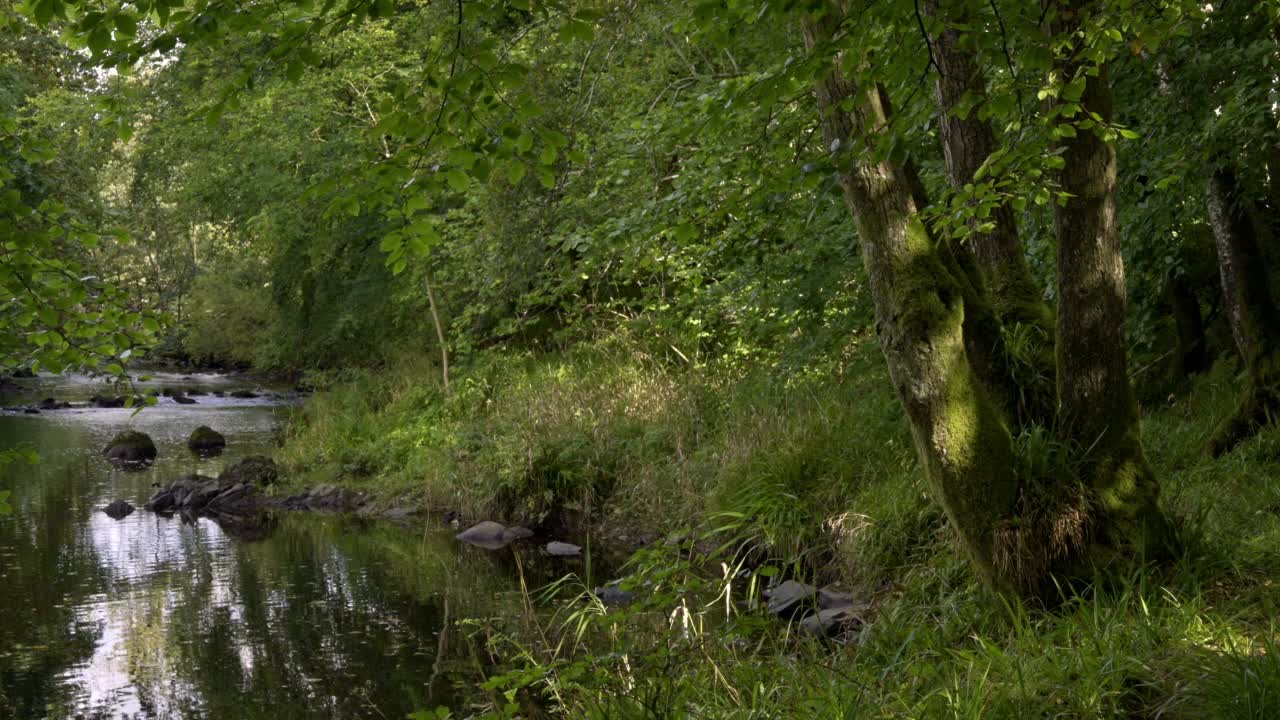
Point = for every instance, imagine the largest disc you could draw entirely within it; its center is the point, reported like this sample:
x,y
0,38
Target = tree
x,y
1017,529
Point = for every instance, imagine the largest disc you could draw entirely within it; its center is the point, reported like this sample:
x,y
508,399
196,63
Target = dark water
x,y
286,616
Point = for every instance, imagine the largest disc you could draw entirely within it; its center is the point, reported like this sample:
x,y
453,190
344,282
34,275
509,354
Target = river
x,y
292,615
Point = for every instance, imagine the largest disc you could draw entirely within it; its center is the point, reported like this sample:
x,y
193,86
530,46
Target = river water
x,y
293,615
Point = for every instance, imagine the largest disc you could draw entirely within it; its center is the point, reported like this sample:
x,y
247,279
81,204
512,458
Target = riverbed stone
x,y
195,494
206,441
612,594
328,498
107,401
131,448
493,535
184,400
833,596
488,534
118,510
563,549
832,622
791,598
243,394
253,470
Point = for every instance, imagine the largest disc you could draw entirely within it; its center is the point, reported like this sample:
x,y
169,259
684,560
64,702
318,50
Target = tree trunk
x,y
1192,352
1098,412
967,142
959,433
1247,296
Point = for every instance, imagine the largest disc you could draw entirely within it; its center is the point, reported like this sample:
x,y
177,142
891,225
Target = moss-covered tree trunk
x,y
1098,414
967,142
960,435
1247,296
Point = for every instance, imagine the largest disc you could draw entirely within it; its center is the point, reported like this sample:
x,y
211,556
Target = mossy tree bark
x,y
1247,295
967,142
1098,414
959,433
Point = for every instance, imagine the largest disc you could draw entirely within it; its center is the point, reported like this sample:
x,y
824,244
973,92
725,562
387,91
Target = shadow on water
x,y
275,616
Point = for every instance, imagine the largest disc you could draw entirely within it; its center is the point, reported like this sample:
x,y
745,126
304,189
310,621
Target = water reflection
x,y
279,617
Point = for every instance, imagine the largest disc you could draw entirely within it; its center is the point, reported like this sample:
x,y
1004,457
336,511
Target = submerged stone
x,y
492,535
118,510
612,594
487,534
563,549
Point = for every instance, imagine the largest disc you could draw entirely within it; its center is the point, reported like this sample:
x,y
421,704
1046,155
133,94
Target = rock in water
x,y
206,441
243,394
487,534
107,401
198,493
518,533
131,448
791,598
612,594
563,549
183,400
253,470
118,510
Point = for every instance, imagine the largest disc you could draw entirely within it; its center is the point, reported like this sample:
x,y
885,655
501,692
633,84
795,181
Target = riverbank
x,y
818,476
610,440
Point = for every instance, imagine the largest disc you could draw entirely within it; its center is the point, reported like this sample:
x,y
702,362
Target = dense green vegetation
x,y
969,306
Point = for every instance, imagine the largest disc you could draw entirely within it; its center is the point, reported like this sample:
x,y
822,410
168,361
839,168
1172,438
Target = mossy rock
x,y
204,440
131,448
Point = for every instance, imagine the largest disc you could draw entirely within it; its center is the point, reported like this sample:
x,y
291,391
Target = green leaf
x,y
462,157
99,39
515,172
574,29
457,180
390,242
547,178
126,25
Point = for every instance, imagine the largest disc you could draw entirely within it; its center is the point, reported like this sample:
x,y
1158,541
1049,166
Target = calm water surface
x,y
285,616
